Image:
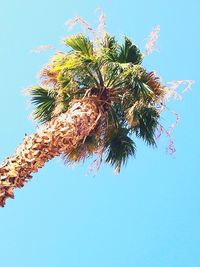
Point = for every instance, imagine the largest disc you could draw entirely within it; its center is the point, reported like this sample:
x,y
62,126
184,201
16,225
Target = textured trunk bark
x,y
60,135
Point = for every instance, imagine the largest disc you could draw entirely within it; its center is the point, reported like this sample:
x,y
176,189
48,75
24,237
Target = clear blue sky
x,y
149,215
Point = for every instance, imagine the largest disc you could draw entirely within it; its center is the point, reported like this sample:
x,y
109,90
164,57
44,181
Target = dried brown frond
x,y
48,77
154,82
85,149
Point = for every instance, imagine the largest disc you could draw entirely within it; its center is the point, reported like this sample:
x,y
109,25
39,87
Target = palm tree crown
x,y
95,98
129,97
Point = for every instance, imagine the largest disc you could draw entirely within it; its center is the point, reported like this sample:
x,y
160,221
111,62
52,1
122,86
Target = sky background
x,y
149,215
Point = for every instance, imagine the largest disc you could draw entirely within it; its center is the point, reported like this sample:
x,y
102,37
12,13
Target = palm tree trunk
x,y
59,135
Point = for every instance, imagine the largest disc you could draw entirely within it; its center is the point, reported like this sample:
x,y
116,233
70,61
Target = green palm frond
x,y
126,53
44,102
110,42
109,51
129,53
64,78
119,148
113,75
80,43
141,90
144,123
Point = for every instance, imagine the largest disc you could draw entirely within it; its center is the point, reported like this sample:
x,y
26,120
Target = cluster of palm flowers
x,y
94,99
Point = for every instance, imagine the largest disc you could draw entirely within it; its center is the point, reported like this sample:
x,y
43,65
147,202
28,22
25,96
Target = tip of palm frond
x,y
44,103
79,43
119,148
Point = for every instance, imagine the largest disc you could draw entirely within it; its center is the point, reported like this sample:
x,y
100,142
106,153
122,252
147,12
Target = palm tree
x,y
94,99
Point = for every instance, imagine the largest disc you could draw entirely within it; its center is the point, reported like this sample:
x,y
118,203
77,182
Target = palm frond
x,y
129,53
64,78
44,102
80,43
144,123
113,71
154,83
141,90
82,151
126,53
109,51
119,148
